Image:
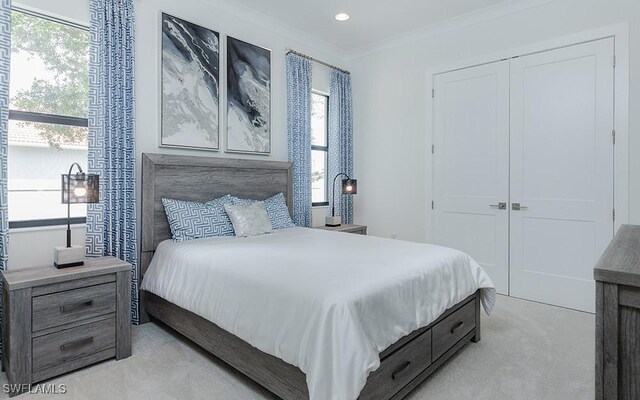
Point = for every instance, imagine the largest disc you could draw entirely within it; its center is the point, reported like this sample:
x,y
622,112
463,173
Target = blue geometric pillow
x,y
276,209
220,202
191,220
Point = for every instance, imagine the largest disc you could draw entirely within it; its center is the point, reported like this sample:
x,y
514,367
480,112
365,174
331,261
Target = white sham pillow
x,y
249,219
277,210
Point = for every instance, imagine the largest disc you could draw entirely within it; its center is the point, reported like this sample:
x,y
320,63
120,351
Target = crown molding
x,y
267,22
452,24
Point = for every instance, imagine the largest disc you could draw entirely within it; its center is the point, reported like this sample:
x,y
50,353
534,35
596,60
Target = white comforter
x,y
325,302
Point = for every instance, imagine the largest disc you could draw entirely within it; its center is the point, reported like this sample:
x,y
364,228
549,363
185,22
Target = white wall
x,y
34,246
392,161
220,15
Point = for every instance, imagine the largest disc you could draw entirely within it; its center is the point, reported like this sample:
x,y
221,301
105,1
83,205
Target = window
x,y
48,109
319,148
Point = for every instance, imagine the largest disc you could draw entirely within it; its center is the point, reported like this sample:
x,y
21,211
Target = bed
x,y
277,316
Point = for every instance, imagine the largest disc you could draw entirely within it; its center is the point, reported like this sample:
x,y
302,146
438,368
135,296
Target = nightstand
x,y
58,320
348,228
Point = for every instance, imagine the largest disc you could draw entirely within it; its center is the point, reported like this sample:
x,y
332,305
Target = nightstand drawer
x,y
73,305
71,344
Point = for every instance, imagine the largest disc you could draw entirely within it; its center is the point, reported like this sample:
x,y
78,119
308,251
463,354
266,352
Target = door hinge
x,y
433,149
613,135
433,93
432,204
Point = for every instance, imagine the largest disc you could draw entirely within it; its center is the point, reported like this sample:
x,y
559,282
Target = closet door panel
x,y
561,172
471,162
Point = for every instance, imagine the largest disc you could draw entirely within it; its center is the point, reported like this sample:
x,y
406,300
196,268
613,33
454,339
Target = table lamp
x,y
349,186
77,188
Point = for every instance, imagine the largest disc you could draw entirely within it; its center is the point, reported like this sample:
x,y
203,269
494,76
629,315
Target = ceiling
x,y
371,21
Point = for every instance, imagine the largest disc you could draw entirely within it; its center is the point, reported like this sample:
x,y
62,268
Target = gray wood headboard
x,y
202,179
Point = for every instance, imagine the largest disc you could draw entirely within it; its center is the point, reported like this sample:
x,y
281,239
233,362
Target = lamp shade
x,y
80,188
349,186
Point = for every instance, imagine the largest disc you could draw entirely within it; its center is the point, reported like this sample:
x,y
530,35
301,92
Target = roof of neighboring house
x,y
23,134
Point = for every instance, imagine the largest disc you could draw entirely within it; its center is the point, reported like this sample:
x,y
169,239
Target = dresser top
x,y
38,276
620,263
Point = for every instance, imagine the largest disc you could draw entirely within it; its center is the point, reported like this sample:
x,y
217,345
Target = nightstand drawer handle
x,y
72,307
75,344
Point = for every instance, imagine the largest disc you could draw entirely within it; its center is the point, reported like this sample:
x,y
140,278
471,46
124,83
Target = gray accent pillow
x,y
249,219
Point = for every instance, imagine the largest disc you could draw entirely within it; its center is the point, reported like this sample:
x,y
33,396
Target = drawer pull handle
x,y
402,368
456,327
72,307
76,344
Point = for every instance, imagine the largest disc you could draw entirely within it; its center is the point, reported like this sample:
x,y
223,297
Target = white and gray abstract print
x,y
248,98
190,85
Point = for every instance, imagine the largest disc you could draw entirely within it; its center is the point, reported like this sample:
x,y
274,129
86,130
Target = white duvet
x,y
326,302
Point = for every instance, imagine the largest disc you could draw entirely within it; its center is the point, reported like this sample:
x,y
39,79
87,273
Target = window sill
x,y
322,206
45,228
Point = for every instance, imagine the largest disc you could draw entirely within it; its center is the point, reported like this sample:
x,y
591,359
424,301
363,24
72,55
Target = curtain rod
x,y
290,51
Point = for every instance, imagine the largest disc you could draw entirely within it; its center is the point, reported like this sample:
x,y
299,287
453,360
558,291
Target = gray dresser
x,y
617,277
58,320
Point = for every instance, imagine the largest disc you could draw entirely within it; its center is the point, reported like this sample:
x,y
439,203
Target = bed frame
x,y
404,365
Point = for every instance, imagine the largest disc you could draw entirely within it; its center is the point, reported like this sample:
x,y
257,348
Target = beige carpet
x,y
528,351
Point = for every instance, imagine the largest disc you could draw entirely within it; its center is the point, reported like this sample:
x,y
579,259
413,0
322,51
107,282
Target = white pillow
x,y
249,219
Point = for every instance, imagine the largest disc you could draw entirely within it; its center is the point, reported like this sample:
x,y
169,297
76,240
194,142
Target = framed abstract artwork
x,y
190,108
248,98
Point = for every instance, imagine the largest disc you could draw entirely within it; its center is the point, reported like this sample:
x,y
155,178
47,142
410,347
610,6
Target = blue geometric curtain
x,y
111,224
5,61
341,139
299,132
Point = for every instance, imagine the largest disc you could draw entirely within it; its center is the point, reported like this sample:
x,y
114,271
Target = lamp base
x,y
65,257
333,221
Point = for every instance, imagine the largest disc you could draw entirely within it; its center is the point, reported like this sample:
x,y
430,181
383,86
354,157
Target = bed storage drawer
x,y
73,305
450,330
72,344
399,368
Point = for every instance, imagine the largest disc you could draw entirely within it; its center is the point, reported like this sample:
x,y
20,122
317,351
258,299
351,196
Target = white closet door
x,y
471,165
561,171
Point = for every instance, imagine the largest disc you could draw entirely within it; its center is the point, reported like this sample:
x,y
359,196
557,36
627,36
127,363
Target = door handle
x,y
518,207
499,206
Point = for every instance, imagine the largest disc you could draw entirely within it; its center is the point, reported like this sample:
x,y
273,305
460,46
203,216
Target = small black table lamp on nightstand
x,y
77,188
349,186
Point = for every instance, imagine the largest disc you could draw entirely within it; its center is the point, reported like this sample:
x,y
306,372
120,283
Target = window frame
x,y
324,149
29,116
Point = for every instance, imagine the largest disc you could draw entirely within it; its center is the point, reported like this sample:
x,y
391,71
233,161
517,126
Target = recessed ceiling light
x,y
342,16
